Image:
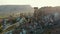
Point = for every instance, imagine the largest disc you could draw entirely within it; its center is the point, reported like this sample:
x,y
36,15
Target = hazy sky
x,y
33,3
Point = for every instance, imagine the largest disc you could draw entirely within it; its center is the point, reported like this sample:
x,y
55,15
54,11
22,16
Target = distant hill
x,y
9,9
49,10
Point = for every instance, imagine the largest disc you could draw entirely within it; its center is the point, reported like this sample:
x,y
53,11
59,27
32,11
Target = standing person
x,y
23,19
4,23
19,18
10,20
1,23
